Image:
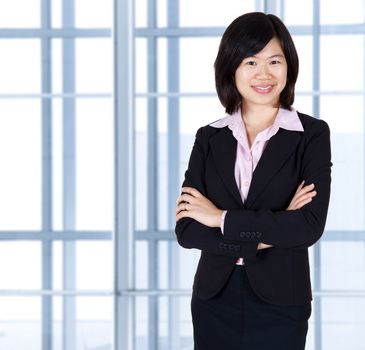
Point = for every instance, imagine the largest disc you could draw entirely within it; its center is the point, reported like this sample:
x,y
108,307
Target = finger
x,y
301,201
306,189
310,193
184,206
185,198
183,214
304,196
300,186
192,191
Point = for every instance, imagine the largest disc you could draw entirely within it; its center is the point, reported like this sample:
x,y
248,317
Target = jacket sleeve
x,y
291,228
191,233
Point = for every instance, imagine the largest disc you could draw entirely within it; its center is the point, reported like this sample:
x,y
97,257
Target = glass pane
x,y
140,11
94,65
162,64
57,265
197,56
94,323
346,210
212,13
182,327
20,66
177,264
141,65
20,273
57,163
56,9
141,325
162,12
94,177
197,112
163,265
304,46
298,12
57,323
141,259
343,323
350,273
20,157
20,323
339,72
94,273
140,159
20,14
303,104
94,13
57,66
338,12
164,212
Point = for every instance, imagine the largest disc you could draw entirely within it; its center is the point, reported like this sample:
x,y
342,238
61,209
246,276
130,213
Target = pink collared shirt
x,y
247,158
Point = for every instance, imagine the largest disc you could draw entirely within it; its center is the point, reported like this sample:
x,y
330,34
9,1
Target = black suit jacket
x,y
279,275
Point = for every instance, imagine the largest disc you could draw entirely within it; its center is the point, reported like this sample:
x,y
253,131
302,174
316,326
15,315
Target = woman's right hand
x,y
302,196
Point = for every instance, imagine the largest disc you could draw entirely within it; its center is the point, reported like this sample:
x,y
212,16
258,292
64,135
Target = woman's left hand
x,y
194,205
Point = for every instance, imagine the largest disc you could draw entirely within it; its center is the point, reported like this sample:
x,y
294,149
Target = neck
x,y
258,115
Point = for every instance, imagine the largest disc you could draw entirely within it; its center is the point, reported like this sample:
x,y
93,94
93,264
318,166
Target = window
x,y
56,183
95,135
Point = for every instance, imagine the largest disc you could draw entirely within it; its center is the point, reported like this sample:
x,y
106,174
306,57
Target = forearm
x,y
192,234
281,229
260,245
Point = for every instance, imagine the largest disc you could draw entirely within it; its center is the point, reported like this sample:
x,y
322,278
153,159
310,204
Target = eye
x,y
275,62
251,63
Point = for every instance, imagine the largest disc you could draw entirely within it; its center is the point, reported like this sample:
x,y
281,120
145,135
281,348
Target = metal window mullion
x,y
173,176
123,43
161,235
272,7
316,112
55,33
152,178
47,205
69,178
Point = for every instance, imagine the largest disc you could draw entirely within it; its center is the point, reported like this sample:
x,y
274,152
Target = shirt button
x,y
246,183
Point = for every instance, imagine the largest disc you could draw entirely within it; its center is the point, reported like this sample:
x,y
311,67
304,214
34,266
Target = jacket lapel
x,y
275,154
277,151
224,149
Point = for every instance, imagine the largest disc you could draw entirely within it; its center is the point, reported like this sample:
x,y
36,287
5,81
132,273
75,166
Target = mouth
x,y
263,89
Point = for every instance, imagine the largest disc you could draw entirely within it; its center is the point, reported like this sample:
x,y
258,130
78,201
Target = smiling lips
x,y
263,89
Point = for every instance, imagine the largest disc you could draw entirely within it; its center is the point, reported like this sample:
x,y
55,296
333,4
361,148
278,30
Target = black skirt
x,y
237,319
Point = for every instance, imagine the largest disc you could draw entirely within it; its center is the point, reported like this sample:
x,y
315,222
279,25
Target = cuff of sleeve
x,y
222,221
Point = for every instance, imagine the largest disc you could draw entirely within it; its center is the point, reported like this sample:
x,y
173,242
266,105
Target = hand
x,y
263,246
302,196
194,205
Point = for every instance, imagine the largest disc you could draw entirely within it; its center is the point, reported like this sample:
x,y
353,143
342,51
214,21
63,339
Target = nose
x,y
263,72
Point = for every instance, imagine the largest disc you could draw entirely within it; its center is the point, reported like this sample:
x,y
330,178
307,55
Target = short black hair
x,y
244,37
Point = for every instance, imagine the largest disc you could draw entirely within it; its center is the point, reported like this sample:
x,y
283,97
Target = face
x,y
261,78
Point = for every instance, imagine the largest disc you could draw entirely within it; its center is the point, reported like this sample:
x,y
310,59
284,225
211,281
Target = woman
x,y
255,197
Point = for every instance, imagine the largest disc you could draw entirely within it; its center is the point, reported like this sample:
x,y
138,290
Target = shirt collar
x,y
285,119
